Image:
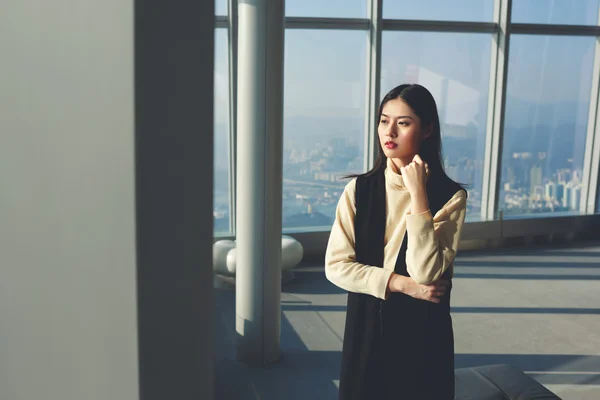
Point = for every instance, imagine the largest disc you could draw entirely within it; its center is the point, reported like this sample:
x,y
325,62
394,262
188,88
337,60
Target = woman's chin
x,y
394,153
391,153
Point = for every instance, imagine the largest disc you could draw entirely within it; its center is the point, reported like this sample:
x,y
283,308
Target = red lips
x,y
391,145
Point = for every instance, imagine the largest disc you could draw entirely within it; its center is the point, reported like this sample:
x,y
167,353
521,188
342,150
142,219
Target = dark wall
x,y
174,58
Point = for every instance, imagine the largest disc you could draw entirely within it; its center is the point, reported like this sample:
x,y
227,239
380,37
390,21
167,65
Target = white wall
x,y
67,224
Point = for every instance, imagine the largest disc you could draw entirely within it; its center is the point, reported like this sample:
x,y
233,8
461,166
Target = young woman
x,y
392,247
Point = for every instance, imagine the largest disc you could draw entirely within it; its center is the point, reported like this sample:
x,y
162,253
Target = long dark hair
x,y
423,105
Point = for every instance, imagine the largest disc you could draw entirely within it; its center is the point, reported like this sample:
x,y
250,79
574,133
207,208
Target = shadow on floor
x,y
459,310
299,374
525,264
557,277
311,282
545,368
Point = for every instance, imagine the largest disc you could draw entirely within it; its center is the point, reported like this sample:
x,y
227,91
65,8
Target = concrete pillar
x,y
259,179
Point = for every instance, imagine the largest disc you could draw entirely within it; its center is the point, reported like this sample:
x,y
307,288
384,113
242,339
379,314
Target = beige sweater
x,y
432,240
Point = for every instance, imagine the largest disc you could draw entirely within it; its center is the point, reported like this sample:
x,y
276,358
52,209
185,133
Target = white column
x,y
591,159
496,108
373,83
259,179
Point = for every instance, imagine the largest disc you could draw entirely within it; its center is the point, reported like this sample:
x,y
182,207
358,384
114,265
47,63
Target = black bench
x,y
498,382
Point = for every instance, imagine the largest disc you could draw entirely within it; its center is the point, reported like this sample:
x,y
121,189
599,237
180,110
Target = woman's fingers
x,y
432,292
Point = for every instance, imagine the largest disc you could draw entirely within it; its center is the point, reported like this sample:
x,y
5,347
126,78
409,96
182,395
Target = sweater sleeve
x,y
341,267
433,241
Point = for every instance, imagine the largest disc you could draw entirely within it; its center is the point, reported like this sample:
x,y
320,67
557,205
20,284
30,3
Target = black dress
x,y
400,348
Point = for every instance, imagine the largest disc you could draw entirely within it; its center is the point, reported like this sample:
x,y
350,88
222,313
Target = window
x,y
567,12
221,7
221,156
459,10
324,124
547,104
329,8
460,88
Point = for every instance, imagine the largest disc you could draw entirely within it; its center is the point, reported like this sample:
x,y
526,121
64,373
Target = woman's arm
x,y
433,240
341,267
430,292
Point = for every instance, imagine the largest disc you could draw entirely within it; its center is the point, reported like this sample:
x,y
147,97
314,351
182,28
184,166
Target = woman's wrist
x,y
397,283
419,202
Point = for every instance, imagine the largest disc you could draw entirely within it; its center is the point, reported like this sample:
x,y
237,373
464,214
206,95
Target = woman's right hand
x,y
432,292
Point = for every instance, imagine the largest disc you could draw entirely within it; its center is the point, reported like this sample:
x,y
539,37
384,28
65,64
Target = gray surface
x,y
67,201
174,53
509,307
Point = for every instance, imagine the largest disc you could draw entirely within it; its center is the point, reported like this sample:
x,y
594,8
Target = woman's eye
x,y
383,122
403,123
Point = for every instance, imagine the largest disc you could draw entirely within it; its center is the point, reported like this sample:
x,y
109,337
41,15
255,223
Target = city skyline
x,y
312,181
546,110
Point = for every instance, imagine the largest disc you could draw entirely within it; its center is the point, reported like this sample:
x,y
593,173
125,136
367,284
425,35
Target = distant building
x,y
535,178
551,190
566,200
560,192
564,175
575,197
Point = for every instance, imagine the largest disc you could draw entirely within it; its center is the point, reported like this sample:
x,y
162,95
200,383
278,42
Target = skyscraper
x,y
566,200
535,178
575,197
551,190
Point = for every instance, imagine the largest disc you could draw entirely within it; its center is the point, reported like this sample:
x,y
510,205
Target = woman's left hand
x,y
414,176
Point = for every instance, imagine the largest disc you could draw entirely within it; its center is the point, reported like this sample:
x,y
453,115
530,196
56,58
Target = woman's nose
x,y
391,132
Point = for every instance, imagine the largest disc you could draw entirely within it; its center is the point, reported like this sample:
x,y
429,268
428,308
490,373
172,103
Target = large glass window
x,y
221,7
567,12
326,9
221,142
323,122
455,67
459,10
547,104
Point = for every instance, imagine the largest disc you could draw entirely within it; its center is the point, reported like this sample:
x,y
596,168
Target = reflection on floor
x,y
537,309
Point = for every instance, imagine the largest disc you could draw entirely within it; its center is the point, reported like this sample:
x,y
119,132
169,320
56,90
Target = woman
x,y
392,247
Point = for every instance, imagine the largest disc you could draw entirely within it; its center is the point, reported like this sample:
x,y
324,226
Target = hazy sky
x,y
325,70
526,11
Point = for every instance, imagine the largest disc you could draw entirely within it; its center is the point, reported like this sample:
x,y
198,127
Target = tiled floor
x,y
537,309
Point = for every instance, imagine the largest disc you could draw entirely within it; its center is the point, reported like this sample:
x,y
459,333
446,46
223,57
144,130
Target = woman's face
x,y
400,131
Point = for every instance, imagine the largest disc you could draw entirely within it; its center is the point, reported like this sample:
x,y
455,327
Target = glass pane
x,y
326,9
548,95
460,89
585,12
446,10
323,122
221,155
221,7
